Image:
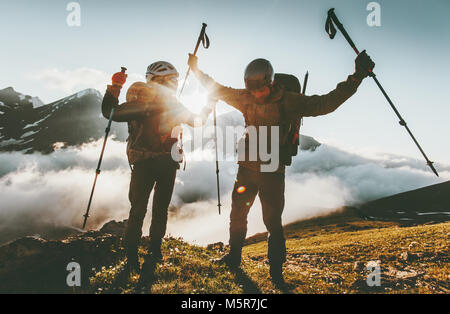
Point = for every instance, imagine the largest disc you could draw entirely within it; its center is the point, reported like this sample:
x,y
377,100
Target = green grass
x,y
321,255
185,269
324,263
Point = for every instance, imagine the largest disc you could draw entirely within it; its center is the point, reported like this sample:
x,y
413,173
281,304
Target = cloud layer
x,y
51,191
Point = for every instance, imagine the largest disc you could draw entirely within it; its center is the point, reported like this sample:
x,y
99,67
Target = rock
x,y
257,258
115,228
314,259
32,265
27,246
408,257
215,246
360,285
358,266
333,278
405,256
373,264
387,257
407,273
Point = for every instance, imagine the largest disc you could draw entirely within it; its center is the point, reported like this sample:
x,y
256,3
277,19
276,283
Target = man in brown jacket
x,y
265,103
152,113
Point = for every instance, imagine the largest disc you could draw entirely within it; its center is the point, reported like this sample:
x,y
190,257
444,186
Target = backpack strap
x,y
285,123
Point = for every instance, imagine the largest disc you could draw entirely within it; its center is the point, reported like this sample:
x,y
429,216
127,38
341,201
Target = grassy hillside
x,y
406,235
325,255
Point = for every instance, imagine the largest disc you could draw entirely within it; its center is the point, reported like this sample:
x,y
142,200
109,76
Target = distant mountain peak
x,y
9,89
88,91
27,124
80,94
11,96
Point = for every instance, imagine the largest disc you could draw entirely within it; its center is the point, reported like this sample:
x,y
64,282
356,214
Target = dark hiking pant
x,y
270,188
158,172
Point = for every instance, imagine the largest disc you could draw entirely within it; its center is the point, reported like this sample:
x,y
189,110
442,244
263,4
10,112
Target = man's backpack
x,y
290,137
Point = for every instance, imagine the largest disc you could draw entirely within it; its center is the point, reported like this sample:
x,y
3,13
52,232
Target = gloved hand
x,y
192,62
119,78
363,65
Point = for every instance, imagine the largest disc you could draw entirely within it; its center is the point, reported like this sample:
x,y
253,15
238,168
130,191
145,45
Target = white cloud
x,y
70,81
38,191
74,80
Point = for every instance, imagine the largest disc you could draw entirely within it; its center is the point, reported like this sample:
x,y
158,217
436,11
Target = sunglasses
x,y
166,79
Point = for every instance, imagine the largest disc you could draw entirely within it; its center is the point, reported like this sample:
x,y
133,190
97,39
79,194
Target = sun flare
x,y
195,101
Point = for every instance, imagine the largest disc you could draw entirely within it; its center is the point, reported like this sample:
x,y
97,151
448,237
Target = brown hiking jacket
x,y
153,113
280,107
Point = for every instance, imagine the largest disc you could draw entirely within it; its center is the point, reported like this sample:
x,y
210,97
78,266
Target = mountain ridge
x,y
28,125
72,121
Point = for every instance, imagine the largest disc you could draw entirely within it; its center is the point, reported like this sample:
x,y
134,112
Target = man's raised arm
x,y
310,106
232,96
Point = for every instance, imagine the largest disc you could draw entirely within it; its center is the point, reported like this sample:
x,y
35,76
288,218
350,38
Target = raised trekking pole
x,y
300,123
331,31
203,38
305,82
97,171
217,157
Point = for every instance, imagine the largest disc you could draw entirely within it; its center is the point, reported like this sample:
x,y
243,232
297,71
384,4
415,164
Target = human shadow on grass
x,y
285,287
248,285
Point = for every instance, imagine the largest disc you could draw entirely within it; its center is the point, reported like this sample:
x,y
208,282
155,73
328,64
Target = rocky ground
x,y
325,255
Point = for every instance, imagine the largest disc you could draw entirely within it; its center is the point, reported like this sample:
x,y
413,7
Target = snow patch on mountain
x,y
37,102
11,141
86,92
29,133
37,122
28,124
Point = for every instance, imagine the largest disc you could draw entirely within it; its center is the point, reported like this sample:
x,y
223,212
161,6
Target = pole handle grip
x,y
200,37
339,25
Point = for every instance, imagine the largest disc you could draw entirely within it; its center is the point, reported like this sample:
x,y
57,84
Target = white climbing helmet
x,y
160,68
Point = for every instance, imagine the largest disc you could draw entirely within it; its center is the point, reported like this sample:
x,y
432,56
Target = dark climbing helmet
x,y
259,73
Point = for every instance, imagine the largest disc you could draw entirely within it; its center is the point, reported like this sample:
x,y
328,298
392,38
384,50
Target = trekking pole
x,y
205,41
97,171
331,31
217,158
305,82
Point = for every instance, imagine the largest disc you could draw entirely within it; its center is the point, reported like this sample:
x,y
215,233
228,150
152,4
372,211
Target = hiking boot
x,y
155,254
148,271
148,268
230,260
276,274
154,250
132,264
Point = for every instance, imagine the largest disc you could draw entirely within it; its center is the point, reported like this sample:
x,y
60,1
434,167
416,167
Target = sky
x,y
43,56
